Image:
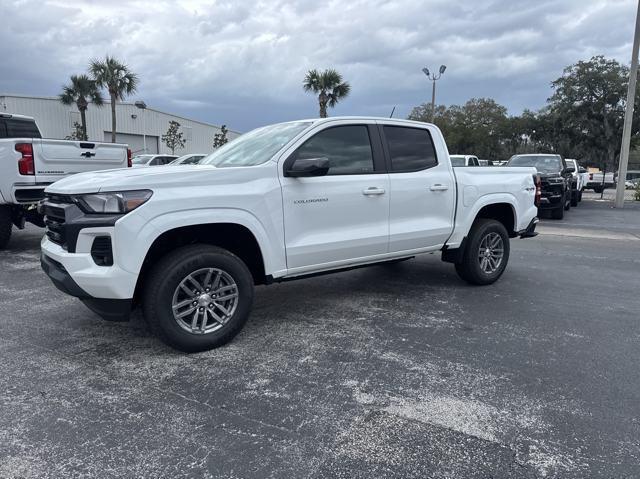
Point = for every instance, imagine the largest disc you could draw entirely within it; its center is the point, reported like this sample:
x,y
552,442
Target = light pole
x,y
143,106
434,77
628,117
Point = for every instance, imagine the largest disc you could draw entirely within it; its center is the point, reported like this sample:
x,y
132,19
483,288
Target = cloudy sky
x,y
242,62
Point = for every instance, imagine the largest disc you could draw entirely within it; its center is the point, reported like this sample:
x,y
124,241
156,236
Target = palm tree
x,y
80,91
329,87
117,79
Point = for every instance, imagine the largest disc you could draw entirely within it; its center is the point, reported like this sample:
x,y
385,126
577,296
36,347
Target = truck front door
x,y
343,216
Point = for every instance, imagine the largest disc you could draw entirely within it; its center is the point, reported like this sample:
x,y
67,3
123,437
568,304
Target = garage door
x,y
135,142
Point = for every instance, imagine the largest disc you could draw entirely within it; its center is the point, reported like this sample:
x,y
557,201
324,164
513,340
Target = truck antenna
x,y
394,109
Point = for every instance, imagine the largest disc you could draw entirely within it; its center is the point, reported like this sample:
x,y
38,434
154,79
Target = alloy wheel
x,y
491,252
205,300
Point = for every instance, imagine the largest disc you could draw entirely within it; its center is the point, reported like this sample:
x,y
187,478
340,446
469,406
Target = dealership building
x,y
137,124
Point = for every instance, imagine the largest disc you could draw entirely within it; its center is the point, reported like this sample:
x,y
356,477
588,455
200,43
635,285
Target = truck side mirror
x,y
303,167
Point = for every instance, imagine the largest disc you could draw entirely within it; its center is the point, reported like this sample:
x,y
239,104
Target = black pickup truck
x,y
556,181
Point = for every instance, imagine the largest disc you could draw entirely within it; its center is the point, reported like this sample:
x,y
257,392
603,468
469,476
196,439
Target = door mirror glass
x,y
302,167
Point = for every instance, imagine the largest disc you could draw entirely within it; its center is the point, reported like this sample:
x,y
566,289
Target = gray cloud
x,y
242,62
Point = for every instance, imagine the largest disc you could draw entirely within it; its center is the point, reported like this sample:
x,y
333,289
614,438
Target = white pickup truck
x,y
281,202
29,163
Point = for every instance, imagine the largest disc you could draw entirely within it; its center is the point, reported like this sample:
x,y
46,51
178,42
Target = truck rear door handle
x,y
439,187
372,190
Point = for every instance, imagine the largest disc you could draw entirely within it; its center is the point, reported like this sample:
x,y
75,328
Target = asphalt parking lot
x,y
389,371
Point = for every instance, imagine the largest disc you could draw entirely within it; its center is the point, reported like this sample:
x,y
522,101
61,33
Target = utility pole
x,y
143,106
434,77
628,116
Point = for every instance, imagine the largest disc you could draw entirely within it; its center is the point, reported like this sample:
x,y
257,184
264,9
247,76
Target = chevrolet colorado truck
x,y
282,202
29,163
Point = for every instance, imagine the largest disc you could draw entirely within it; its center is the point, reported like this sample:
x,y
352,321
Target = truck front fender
x,y
131,258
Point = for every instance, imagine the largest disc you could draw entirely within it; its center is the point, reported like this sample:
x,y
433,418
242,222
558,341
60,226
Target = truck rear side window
x,y
410,149
14,128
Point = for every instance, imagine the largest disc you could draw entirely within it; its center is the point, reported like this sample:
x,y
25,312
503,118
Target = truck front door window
x,y
348,149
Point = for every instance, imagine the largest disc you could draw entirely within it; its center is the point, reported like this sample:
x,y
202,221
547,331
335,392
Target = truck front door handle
x,y
371,191
439,187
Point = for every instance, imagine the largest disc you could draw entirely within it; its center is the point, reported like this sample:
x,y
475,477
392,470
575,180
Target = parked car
x,y
191,159
152,160
555,181
596,183
490,162
282,202
464,160
632,180
28,163
577,184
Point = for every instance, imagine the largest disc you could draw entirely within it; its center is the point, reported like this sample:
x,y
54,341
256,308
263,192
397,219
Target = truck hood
x,y
147,178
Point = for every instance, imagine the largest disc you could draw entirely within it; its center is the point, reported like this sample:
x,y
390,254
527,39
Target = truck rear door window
x,y
410,149
21,129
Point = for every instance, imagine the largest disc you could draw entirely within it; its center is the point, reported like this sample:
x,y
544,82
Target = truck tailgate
x,y
55,159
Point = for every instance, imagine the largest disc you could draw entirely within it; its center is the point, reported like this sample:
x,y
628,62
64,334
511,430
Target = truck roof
x,y
16,117
377,118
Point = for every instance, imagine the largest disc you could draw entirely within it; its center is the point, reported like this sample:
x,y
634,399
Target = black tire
x,y
574,198
165,278
579,196
469,269
6,225
558,212
567,201
598,189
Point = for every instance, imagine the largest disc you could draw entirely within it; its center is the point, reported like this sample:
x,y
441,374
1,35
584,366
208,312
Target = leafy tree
x,y
173,138
220,138
119,81
582,119
587,108
80,91
475,128
77,133
329,87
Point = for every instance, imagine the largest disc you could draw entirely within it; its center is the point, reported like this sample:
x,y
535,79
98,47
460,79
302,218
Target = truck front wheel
x,y
6,224
198,297
486,252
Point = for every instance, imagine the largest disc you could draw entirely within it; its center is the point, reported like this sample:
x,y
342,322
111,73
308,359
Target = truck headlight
x,y
116,202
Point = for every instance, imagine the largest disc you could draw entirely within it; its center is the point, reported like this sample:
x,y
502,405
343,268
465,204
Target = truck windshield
x,y
141,159
544,164
255,147
18,128
457,160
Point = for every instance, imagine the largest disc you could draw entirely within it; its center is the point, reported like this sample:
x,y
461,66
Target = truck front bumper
x,y
106,290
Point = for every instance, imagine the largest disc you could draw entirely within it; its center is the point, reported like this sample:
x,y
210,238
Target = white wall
x,y
55,120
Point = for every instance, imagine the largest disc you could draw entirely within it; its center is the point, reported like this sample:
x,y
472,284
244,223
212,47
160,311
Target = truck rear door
x,y
422,188
55,159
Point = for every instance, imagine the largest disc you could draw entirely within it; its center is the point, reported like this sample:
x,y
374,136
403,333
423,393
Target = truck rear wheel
x,y
6,224
198,297
486,252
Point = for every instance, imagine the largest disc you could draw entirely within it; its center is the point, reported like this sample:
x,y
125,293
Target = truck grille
x,y
55,218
